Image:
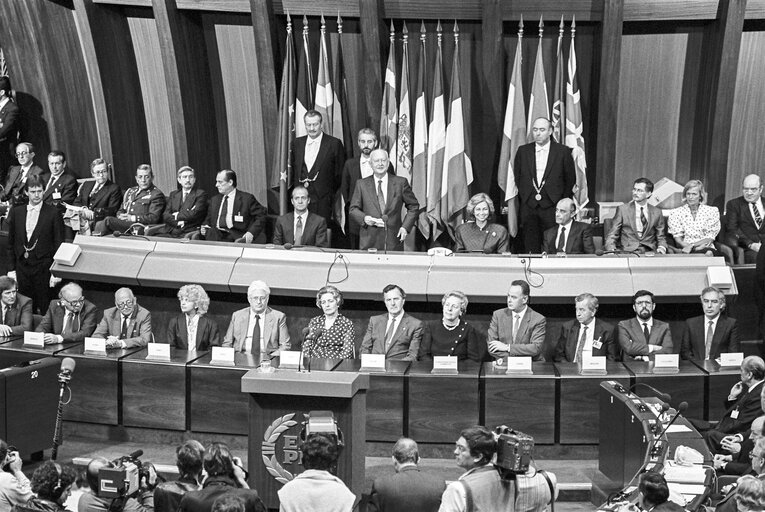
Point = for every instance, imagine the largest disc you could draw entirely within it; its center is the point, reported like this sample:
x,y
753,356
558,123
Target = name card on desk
x,y
290,359
95,346
729,358
223,356
666,363
520,364
372,363
593,365
158,351
34,339
445,365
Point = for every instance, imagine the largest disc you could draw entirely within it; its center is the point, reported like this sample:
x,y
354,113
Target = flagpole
x,y
283,177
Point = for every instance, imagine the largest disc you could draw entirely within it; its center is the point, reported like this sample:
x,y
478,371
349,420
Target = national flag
x,y
436,144
304,99
3,65
324,97
420,142
559,93
281,172
574,126
341,124
538,104
403,164
389,109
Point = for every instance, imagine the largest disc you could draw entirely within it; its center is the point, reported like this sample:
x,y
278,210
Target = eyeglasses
x,y
125,303
75,302
22,153
99,173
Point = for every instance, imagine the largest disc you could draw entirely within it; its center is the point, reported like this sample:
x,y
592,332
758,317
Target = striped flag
x,y
389,109
420,142
559,93
304,99
538,104
513,136
341,124
281,172
3,65
324,97
436,143
403,164
574,126
458,169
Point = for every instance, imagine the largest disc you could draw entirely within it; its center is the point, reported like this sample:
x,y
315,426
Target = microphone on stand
x,y
312,337
681,408
385,228
64,376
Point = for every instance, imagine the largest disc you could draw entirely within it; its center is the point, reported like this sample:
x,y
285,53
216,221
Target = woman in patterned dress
x,y
451,335
330,335
479,234
695,225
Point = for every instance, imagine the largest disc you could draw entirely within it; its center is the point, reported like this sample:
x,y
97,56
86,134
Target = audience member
x,y
654,493
234,215
317,488
52,484
480,234
695,225
62,185
586,334
141,204
517,330
258,329
126,324
143,501
709,335
330,335
14,191
15,488
452,335
300,227
408,489
9,126
16,310
744,218
71,318
396,334
643,335
748,494
738,460
189,458
569,236
192,329
99,197
637,225
228,504
186,207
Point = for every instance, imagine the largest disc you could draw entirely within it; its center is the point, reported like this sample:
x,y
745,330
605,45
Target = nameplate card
x,y
519,365
290,359
95,346
158,351
34,339
372,363
444,365
223,356
729,358
593,365
666,363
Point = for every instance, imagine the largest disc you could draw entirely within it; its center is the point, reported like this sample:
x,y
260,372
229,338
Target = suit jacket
x,y
53,321
728,503
138,329
632,339
740,228
404,344
273,329
352,174
569,338
192,211
325,175
725,339
530,336
749,408
559,176
245,205
103,203
147,205
314,230
46,237
624,235
14,188
364,202
64,190
578,241
19,316
216,487
208,333
410,490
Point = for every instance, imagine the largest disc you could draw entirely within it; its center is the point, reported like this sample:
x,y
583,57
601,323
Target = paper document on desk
x,y
677,428
687,489
684,474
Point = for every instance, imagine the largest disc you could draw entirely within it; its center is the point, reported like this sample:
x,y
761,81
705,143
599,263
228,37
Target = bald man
x,y
745,218
568,236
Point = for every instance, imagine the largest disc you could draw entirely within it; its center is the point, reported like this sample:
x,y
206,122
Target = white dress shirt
x,y
542,155
191,331
365,166
312,150
33,214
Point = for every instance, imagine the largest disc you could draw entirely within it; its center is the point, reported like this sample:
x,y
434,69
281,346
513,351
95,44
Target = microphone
x,y
680,410
288,246
385,227
666,397
64,376
655,427
601,252
136,454
312,337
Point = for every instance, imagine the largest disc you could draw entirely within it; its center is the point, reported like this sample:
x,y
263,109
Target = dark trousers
x,y
534,222
33,278
216,235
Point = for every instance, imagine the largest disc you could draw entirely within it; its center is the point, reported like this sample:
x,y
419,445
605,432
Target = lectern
x,y
279,403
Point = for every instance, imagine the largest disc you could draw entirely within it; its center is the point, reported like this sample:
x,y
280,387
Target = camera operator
x,y
189,458
15,488
142,502
53,485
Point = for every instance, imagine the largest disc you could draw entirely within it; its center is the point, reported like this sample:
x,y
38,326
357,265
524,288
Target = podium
x,y
278,404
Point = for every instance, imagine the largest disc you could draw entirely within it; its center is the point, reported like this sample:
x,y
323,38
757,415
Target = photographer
x,y
189,459
15,488
142,502
53,485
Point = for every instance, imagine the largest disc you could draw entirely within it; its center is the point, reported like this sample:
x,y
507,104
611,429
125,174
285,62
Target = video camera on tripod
x,y
123,478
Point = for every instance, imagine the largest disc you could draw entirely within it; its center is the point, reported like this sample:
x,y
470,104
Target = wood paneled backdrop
x,y
175,82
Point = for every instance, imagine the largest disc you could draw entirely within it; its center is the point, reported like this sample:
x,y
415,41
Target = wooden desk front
x,y
13,351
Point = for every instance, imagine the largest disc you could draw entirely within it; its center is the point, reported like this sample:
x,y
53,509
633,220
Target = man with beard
x,y
643,335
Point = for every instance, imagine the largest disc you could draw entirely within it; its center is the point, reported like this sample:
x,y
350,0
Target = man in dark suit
x,y
517,330
586,334
18,175
9,126
125,325
35,232
376,207
15,309
545,173
739,462
61,186
637,225
744,226
569,236
408,489
233,216
100,197
70,318
643,335
317,161
395,334
706,336
300,227
141,204
186,208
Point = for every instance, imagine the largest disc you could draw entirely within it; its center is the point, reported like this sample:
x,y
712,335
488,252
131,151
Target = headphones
x,y
57,490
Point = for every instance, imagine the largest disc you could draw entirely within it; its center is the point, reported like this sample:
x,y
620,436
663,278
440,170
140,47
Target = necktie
x,y
67,328
561,241
643,220
299,230
51,181
757,216
645,332
185,195
223,214
708,344
580,344
74,326
380,196
96,190
516,323
256,335
123,331
5,310
389,331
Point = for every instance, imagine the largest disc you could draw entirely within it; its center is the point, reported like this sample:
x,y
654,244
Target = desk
x,y
522,402
579,417
95,386
717,385
685,386
13,351
154,392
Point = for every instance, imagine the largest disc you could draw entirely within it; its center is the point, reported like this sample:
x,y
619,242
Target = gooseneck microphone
x,y
681,408
312,336
666,397
64,377
385,228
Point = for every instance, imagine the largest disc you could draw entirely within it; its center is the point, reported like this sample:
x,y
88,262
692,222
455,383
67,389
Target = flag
x,y
436,143
281,173
574,126
389,110
538,105
324,97
304,99
458,169
341,124
420,142
403,163
559,93
3,65
513,136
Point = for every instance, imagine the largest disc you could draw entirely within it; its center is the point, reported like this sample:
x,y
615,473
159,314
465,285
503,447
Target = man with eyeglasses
x,y
71,318
18,175
125,325
141,204
258,329
15,309
100,197
744,226
642,336
637,225
709,335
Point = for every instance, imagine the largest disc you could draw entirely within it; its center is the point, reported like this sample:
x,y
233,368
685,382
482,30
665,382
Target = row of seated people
x,y
516,330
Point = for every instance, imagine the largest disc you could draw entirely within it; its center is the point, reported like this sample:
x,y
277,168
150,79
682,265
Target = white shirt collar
x,y
649,322
31,208
316,140
543,147
3,101
231,194
567,226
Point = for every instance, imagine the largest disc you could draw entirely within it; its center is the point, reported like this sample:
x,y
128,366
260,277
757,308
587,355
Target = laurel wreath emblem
x,y
268,447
